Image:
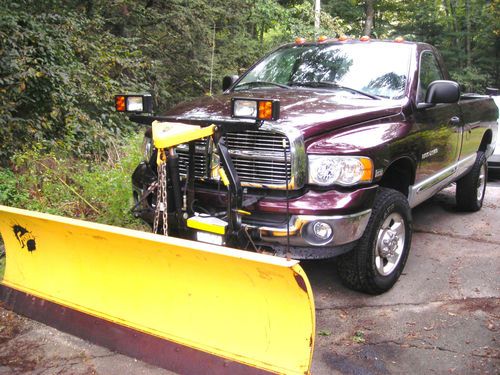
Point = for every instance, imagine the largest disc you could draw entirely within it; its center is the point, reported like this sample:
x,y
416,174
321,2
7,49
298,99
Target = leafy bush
x,y
72,187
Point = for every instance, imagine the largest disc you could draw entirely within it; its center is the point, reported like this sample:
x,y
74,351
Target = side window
x,y
429,71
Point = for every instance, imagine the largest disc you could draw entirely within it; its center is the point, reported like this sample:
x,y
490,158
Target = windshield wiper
x,y
262,83
332,85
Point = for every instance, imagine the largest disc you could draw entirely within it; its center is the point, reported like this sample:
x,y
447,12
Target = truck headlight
x,y
327,170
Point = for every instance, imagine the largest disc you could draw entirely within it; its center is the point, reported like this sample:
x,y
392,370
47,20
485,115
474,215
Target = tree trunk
x,y
453,14
121,26
468,35
89,8
370,14
317,16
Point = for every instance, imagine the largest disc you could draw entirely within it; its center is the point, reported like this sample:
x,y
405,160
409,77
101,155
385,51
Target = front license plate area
x,y
211,238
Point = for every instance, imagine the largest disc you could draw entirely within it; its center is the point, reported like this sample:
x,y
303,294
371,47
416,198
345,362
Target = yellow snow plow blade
x,y
182,305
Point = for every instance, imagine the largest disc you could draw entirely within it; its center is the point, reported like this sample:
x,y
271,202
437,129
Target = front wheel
x,y
376,263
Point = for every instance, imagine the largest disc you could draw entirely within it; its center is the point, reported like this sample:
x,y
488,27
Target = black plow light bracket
x,y
232,125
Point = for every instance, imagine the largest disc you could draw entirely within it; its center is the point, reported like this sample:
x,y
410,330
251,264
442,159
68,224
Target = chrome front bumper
x,y
346,229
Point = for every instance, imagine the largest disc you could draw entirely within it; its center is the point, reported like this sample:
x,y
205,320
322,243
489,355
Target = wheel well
x,y
399,176
487,138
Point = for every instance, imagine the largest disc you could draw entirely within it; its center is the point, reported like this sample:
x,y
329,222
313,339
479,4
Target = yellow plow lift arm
x,y
183,305
171,134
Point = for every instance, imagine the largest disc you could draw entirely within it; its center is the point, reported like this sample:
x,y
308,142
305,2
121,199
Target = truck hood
x,y
311,111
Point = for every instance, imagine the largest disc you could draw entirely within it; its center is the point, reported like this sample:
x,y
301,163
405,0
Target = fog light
x,y
322,230
318,233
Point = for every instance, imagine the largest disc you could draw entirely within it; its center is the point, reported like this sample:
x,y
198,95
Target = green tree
x,y
58,74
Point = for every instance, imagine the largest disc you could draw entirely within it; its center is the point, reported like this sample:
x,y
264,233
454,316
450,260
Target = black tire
x,y
471,187
364,268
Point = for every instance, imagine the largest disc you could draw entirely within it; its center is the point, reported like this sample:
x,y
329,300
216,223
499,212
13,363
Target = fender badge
x,y
430,153
24,237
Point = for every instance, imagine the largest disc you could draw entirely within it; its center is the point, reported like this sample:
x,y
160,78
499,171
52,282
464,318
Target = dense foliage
x,y
58,73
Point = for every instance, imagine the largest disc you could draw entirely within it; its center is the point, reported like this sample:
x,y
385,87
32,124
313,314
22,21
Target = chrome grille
x,y
200,159
257,140
258,156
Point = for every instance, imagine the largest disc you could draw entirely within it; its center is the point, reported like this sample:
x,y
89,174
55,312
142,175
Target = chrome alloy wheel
x,y
481,182
390,244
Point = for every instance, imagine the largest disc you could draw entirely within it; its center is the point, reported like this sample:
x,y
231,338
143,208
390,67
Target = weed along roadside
x,y
63,185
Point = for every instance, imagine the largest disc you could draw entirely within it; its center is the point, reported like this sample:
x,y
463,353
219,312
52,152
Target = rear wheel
x,y
471,187
376,263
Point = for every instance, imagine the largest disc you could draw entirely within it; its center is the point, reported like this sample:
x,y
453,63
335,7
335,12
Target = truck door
x,y
439,129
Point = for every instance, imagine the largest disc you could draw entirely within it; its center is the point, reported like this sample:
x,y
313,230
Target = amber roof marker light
x,y
299,41
365,38
399,39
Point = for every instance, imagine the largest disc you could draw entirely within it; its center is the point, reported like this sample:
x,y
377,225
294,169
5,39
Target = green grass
x,y
90,190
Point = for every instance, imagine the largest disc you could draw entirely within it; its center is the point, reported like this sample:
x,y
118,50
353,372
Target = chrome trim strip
x,y
346,229
427,188
246,154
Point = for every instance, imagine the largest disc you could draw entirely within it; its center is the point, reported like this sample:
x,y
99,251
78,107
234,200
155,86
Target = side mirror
x,y
228,81
442,92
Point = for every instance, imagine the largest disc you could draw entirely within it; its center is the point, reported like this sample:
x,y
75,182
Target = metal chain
x,y
161,199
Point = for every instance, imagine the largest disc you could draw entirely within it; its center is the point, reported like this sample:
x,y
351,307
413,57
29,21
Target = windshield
x,y
374,69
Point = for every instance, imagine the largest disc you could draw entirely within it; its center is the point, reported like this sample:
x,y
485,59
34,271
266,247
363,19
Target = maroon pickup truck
x,y
356,133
